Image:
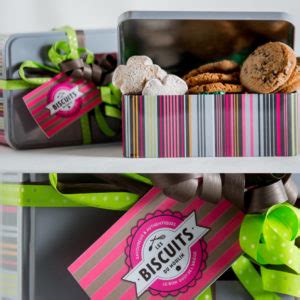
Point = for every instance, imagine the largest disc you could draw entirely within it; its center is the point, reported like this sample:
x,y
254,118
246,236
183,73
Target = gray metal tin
x,y
21,131
180,41
49,240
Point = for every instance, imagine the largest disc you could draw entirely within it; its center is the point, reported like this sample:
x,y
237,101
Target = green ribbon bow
x,y
269,240
63,51
59,52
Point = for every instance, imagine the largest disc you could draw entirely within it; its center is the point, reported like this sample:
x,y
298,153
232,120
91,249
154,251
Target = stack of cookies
x,y
271,68
221,76
293,83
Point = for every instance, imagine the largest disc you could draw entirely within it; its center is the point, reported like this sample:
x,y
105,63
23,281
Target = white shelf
x,y
107,158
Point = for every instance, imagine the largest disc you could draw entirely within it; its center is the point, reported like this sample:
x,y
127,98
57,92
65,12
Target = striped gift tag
x,y
210,125
61,101
161,248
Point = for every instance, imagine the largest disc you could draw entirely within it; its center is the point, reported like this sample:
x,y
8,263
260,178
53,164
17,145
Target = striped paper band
x,y
210,125
8,252
100,270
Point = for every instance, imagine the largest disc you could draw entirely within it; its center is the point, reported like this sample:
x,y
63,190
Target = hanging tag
x,y
161,247
61,101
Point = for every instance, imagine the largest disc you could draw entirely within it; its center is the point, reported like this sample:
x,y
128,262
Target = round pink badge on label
x,y
64,99
166,253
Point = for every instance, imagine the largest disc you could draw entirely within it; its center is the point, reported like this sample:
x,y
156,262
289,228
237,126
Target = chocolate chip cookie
x,y
268,68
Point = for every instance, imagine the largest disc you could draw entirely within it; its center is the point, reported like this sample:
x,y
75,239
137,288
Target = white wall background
x,y
42,15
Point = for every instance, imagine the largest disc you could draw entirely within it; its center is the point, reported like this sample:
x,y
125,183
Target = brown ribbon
x,y
184,187
96,72
252,193
80,38
100,183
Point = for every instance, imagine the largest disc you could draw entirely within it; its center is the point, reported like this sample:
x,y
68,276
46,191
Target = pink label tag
x,y
160,248
61,101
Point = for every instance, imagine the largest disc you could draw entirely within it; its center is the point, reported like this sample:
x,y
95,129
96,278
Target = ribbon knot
x,y
270,240
95,72
245,191
78,69
65,56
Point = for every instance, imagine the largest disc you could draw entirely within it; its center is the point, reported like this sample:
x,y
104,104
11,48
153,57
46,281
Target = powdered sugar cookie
x,y
132,77
170,85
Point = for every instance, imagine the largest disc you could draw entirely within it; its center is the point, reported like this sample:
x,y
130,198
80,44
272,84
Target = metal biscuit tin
x,y
19,130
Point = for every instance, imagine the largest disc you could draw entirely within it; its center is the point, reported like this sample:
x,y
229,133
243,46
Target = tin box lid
x,y
179,41
34,46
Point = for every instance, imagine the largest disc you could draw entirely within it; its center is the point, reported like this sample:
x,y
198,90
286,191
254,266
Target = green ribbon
x,y
111,96
105,200
206,295
251,279
31,81
86,130
269,240
31,195
58,53
138,177
10,85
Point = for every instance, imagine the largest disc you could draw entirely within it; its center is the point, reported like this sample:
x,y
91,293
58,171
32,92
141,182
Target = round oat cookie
x,y
268,67
291,88
223,66
294,77
217,87
293,84
212,78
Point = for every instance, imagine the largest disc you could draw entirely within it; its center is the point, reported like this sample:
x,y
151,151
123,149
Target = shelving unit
x,y
107,158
